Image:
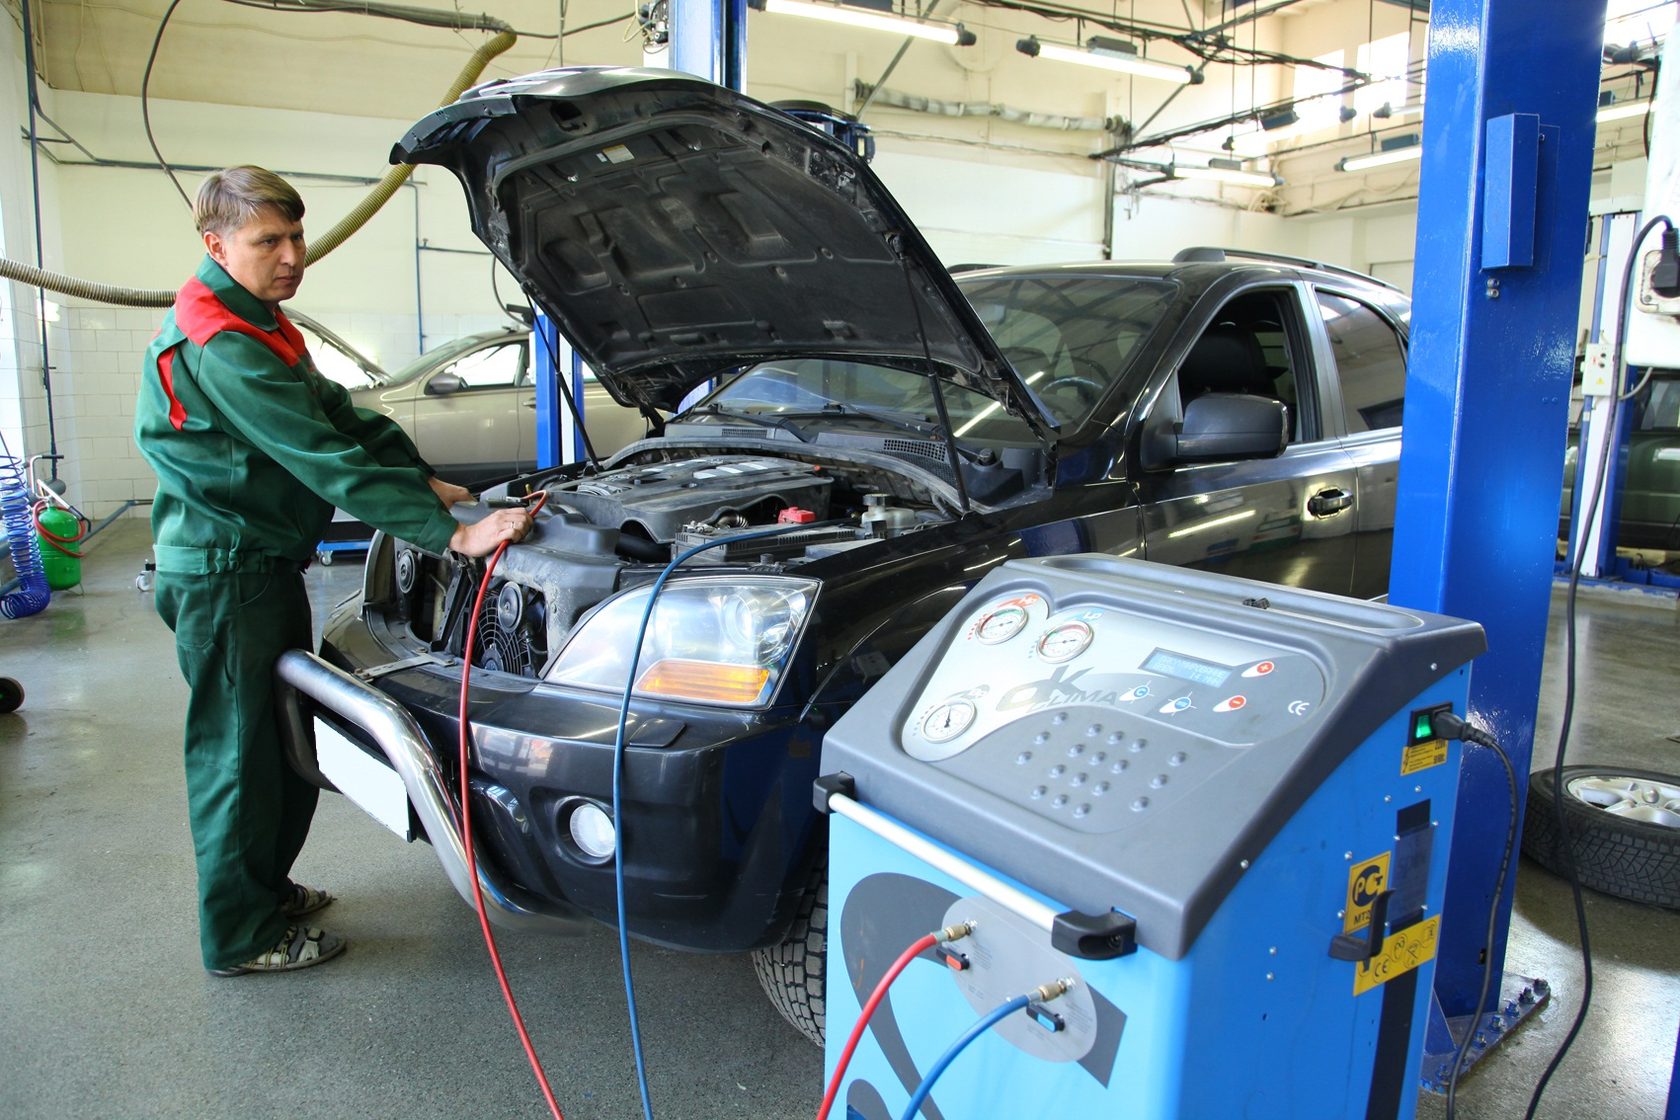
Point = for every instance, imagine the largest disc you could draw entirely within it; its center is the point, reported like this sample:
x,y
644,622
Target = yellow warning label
x,y
1402,951
1423,756
1366,880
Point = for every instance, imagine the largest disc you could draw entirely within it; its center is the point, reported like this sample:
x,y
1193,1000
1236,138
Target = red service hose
x,y
922,945
57,542
536,503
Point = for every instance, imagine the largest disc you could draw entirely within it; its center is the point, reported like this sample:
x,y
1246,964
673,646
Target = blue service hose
x,y
617,791
986,1022
32,593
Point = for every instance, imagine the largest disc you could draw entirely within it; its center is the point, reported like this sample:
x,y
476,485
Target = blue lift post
x,y
558,438
709,39
1502,220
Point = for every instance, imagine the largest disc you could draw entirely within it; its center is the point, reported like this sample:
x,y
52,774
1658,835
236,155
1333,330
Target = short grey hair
x,y
231,197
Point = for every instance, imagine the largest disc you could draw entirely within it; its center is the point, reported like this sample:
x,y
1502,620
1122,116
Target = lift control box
x,y
1216,809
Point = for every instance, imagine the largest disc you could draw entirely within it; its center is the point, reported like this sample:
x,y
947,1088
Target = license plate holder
x,y
371,784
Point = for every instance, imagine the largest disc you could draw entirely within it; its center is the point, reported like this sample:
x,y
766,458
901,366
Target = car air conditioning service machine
x,y
1200,823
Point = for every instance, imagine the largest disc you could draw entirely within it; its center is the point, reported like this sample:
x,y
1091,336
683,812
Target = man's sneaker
x,y
298,947
299,900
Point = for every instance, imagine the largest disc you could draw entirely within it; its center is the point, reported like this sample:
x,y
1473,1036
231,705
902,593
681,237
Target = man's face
x,y
265,255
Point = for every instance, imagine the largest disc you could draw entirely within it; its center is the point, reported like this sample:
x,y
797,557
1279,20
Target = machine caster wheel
x,y
324,558
11,695
792,973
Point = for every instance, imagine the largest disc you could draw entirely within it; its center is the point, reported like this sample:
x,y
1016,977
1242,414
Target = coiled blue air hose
x,y
32,594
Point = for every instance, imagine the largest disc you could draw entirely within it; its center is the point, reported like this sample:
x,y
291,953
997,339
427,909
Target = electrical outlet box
x,y
1653,328
1597,376
1647,298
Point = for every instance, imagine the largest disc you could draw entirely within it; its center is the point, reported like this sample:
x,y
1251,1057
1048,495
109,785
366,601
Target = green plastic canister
x,y
61,563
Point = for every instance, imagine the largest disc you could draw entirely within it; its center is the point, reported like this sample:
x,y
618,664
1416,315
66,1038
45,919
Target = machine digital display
x,y
1185,668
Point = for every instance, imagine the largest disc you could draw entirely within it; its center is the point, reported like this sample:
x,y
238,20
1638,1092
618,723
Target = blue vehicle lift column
x,y
709,39
1502,222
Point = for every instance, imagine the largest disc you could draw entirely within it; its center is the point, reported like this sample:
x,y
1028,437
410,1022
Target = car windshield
x,y
438,356
1069,337
851,392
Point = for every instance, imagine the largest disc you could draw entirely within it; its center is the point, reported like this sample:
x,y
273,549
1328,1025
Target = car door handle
x,y
1326,502
531,404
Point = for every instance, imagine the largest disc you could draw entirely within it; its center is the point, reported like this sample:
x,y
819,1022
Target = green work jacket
x,y
253,447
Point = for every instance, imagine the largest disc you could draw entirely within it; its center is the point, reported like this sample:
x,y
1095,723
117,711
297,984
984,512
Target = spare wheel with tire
x,y
1624,828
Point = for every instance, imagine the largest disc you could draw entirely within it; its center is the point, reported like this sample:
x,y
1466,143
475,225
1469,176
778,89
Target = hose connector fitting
x,y
1044,993
956,932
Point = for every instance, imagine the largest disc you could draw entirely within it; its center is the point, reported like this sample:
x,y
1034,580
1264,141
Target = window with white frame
x,y
1386,61
1638,21
1312,83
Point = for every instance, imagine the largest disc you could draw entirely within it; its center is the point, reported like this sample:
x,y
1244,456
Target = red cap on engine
x,y
793,515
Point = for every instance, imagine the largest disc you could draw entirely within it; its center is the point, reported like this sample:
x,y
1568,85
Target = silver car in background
x,y
470,405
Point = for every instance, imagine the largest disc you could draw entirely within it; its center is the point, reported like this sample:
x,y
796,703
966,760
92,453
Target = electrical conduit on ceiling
x,y
381,193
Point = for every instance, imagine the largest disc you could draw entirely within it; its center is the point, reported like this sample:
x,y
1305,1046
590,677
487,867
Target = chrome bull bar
x,y
301,673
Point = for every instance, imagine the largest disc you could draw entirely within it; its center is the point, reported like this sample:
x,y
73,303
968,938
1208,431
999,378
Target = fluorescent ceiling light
x,y
1382,158
950,34
1623,111
1226,171
1105,58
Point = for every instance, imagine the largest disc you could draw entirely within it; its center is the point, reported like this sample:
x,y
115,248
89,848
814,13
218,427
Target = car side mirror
x,y
1220,426
444,384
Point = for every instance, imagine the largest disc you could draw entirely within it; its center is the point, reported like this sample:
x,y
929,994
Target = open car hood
x,y
675,229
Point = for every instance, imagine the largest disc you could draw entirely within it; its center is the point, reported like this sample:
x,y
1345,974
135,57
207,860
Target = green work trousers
x,y
249,811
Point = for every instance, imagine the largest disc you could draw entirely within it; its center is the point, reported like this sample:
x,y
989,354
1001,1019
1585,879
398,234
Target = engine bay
x,y
598,534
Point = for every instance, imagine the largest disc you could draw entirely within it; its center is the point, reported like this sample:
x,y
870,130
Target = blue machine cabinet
x,y
1217,807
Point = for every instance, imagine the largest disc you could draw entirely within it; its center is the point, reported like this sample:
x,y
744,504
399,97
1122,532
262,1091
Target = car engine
x,y
601,533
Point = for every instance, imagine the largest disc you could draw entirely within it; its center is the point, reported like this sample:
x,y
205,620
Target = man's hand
x,y
482,537
448,493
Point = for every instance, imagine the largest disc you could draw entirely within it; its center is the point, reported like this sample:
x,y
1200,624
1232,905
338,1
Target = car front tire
x,y
793,974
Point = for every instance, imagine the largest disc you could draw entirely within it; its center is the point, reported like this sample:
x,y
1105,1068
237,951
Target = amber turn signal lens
x,y
703,680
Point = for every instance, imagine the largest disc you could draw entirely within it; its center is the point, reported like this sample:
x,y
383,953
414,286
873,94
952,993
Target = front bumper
x,y
387,725
717,827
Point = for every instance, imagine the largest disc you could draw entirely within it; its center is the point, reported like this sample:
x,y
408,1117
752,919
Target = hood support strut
x,y
896,243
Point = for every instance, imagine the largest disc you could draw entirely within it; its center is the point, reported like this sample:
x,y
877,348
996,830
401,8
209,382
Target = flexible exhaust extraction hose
x,y
394,178
332,239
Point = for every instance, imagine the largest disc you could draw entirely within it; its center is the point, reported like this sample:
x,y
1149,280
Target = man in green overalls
x,y
253,448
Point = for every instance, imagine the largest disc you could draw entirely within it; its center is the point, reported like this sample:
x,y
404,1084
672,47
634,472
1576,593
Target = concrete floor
x,y
105,1012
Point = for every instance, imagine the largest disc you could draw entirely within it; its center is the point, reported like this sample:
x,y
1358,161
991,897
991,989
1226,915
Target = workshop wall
x,y
22,401
983,189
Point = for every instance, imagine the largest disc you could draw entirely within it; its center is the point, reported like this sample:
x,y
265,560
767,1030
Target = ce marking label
x,y
1299,707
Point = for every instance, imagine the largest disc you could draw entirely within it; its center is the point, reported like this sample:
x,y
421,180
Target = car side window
x,y
494,367
1255,346
1370,363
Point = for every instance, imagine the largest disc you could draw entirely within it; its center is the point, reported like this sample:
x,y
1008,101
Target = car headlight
x,y
714,640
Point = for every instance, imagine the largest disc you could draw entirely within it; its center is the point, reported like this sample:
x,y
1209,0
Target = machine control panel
x,y
1091,716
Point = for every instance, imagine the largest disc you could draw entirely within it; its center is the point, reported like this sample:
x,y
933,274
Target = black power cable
x,y
1566,845
1453,727
146,105
40,260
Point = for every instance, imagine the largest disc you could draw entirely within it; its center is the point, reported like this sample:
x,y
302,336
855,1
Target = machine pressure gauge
x,y
1064,642
1001,625
947,721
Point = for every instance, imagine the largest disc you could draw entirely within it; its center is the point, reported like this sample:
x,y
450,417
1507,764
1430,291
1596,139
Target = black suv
x,y
907,431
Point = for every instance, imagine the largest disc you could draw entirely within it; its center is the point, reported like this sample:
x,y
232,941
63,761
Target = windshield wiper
x,y
904,421
775,420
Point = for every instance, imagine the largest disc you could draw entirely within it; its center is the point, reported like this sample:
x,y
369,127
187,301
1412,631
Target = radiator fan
x,y
505,642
